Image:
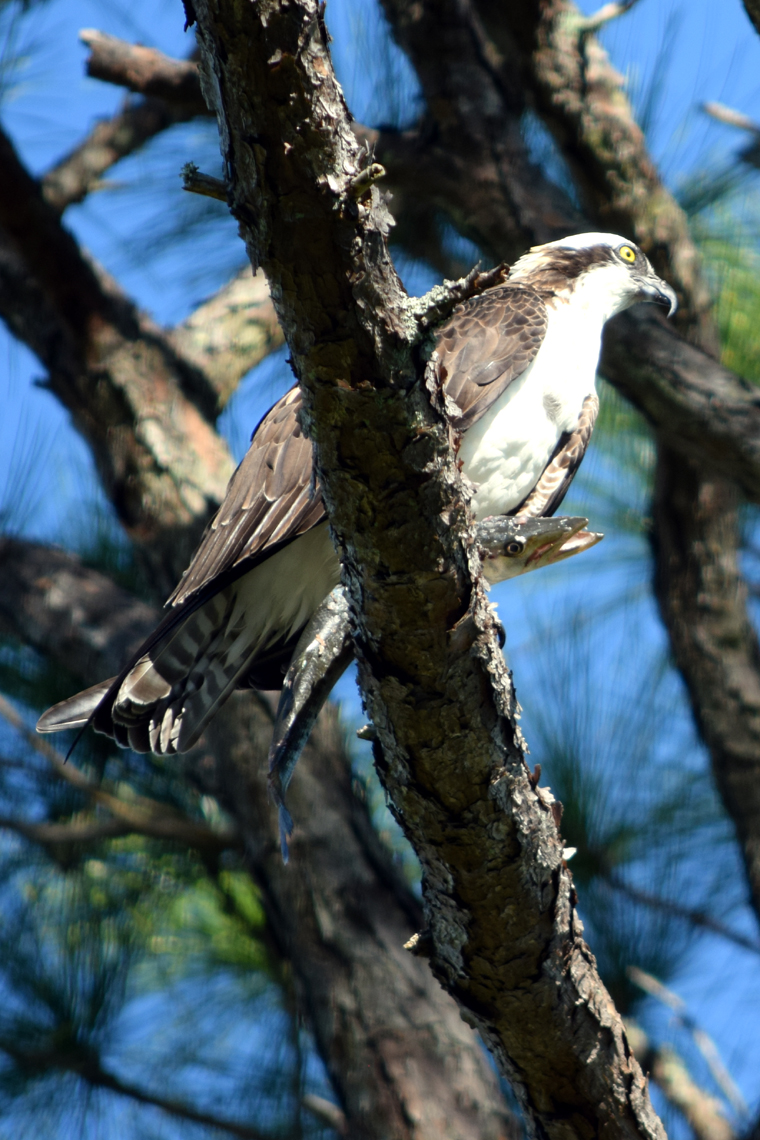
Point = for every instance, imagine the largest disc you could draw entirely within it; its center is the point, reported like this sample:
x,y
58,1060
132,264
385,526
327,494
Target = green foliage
x,y
734,268
636,805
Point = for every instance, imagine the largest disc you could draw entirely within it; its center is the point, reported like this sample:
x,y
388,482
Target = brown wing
x,y
559,472
487,343
271,498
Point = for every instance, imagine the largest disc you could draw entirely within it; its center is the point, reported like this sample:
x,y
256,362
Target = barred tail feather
x,y
207,648
168,698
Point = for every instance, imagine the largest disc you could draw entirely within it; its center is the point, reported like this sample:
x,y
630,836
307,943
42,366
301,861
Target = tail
x,y
163,701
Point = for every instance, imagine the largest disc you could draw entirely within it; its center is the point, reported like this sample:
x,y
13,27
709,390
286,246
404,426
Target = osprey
x,y
517,366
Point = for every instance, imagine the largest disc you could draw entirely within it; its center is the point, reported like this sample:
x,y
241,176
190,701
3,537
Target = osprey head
x,y
605,269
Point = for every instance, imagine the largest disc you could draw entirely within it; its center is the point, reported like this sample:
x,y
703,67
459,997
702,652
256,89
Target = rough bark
x,y
231,333
703,599
401,1059
501,929
144,411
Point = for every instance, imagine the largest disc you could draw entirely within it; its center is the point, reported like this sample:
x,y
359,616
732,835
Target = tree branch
x,y
87,1066
231,333
701,1111
401,1059
55,604
80,172
143,410
502,932
702,1040
144,70
703,598
139,813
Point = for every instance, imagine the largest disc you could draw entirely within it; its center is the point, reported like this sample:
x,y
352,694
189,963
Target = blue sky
x,y
711,52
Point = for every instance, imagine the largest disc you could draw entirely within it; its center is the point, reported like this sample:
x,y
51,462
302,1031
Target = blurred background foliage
x,y
139,992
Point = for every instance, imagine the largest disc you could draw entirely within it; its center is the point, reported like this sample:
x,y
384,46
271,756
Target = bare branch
x,y
231,333
80,172
702,1111
702,1040
723,114
196,182
141,814
698,408
144,70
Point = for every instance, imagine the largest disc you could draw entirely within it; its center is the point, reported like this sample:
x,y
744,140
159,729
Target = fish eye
x,y
627,253
516,546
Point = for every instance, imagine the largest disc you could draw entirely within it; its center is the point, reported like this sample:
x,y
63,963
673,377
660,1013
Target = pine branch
x,y
144,70
231,333
87,1066
688,914
80,172
486,838
144,411
668,1071
140,813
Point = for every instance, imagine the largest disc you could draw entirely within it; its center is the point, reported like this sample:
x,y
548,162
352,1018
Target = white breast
x,y
505,452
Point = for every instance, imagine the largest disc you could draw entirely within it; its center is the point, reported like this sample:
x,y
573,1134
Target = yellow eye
x,y
627,254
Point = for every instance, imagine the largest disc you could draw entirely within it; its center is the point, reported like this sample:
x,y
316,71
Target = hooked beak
x,y
654,289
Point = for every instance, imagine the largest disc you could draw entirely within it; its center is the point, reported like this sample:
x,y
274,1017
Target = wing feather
x,y
552,486
486,344
271,499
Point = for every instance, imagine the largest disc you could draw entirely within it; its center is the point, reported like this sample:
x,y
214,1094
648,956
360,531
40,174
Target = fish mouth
x,y
566,545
